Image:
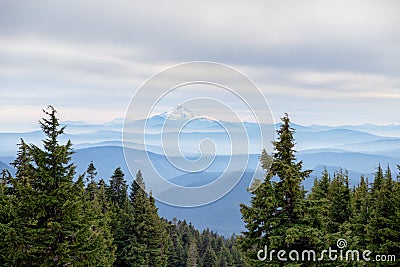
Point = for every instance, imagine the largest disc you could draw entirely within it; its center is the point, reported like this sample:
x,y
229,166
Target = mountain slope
x,y
358,162
4,166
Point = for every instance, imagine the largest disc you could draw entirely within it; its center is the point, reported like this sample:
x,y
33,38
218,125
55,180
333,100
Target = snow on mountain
x,y
179,113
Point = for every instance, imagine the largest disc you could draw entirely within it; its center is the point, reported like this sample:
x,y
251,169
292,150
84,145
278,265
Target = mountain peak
x,y
179,113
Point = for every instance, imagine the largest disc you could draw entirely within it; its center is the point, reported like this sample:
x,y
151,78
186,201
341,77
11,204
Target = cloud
x,y
303,34
93,55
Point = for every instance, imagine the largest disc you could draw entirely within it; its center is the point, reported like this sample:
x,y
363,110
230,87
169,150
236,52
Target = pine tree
x,y
6,217
118,190
209,258
193,254
158,241
378,213
383,230
395,218
360,214
319,206
235,254
91,172
98,214
49,224
339,198
90,176
176,250
320,189
149,229
122,220
224,258
277,215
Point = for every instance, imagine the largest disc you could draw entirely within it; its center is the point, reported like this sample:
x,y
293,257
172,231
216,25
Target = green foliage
x,y
46,223
49,217
339,199
360,209
282,216
149,229
193,255
210,258
117,190
383,231
278,216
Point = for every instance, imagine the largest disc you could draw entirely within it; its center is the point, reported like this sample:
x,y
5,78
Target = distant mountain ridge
x,y
358,148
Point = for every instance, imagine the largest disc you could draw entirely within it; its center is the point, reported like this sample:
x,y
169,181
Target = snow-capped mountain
x,y
179,113
358,148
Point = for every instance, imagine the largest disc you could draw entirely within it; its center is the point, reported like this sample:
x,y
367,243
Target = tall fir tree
x,y
377,213
118,189
149,230
49,224
276,216
396,217
320,189
210,258
91,172
176,249
7,233
339,198
383,231
91,187
122,219
319,206
360,208
192,254
99,216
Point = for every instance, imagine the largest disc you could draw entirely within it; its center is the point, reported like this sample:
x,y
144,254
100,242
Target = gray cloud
x,y
66,52
307,34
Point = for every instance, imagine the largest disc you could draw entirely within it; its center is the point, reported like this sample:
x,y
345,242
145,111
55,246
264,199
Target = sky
x,y
323,62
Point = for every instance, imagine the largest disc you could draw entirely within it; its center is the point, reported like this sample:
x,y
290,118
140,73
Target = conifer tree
x,y
192,254
209,258
383,232
99,216
276,215
319,206
360,213
122,219
6,217
224,258
118,190
395,218
90,176
339,198
378,213
320,189
50,227
176,250
149,230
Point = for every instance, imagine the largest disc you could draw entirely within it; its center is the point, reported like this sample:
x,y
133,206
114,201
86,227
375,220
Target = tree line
x,y
48,217
282,215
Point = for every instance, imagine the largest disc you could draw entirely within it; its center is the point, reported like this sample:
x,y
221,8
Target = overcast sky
x,y
323,62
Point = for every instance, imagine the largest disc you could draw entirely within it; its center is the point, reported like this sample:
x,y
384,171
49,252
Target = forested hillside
x,y
283,216
48,218
52,216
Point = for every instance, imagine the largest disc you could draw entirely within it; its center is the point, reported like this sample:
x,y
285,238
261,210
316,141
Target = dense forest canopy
x,y
283,216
